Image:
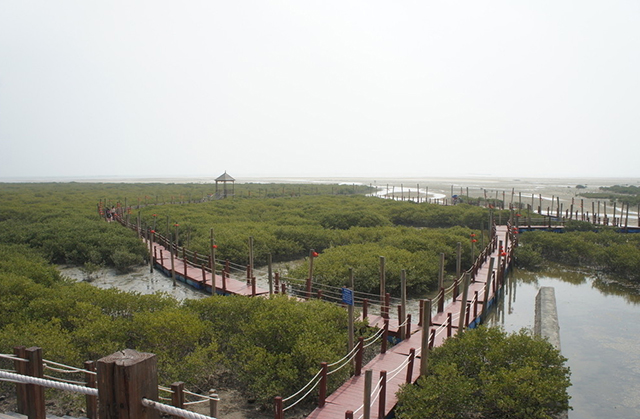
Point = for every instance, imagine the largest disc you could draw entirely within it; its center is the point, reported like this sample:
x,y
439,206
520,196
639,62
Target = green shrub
x,y
487,373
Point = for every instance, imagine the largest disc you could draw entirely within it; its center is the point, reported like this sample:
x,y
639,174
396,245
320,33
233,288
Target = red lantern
x,y
314,254
154,215
517,215
153,231
176,225
215,246
504,253
473,235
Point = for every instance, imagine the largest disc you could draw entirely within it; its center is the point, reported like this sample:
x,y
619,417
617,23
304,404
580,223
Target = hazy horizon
x,y
369,89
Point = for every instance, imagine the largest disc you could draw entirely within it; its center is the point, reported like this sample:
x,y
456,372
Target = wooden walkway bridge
x,y
470,297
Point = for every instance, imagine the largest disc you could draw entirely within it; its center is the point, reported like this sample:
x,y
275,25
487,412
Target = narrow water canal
x,y
599,333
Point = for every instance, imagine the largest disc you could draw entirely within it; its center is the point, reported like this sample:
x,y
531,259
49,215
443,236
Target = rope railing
x,y
26,379
68,370
345,360
303,388
303,397
175,411
13,358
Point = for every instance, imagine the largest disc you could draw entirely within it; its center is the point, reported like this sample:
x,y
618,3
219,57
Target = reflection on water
x,y
599,332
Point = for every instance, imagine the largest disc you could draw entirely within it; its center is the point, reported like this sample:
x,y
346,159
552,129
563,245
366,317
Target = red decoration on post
x,y
504,253
215,246
474,241
153,231
315,254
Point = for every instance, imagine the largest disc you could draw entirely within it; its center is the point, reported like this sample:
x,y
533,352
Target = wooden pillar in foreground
x,y
124,378
21,389
92,401
35,394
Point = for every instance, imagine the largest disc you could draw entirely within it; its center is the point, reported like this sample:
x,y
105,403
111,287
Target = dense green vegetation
x,y
348,232
627,194
606,251
487,373
267,346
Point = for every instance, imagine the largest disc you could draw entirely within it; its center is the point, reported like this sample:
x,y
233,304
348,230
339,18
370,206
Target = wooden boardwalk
x,y
199,278
350,396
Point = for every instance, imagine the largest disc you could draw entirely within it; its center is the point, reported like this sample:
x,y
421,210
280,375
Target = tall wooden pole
x,y
426,331
368,378
310,277
458,260
403,303
487,287
463,304
351,315
270,268
383,286
212,245
441,272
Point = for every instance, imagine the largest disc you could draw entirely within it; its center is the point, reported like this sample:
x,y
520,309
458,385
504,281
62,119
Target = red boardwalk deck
x,y
200,279
350,395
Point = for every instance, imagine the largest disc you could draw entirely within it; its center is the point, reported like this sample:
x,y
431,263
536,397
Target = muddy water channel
x,y
599,333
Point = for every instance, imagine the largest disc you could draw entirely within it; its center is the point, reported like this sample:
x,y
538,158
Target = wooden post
x,y
382,399
279,412
459,260
365,308
421,308
359,354
92,401
35,393
449,325
385,337
270,273
408,332
348,414
323,384
150,234
441,272
487,287
412,357
310,277
250,258
440,298
403,303
177,396
213,404
173,267
21,389
212,259
124,378
351,327
387,304
463,304
368,376
383,286
426,326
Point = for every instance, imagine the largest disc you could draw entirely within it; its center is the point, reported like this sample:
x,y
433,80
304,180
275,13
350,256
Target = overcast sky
x,y
319,88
